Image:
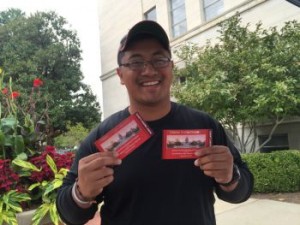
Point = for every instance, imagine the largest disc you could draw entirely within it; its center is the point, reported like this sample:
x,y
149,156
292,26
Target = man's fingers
x,y
97,161
216,149
103,162
212,165
215,155
101,173
211,158
94,175
99,154
105,181
109,153
216,162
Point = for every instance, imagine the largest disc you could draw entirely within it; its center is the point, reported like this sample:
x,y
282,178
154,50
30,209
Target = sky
x,y
83,18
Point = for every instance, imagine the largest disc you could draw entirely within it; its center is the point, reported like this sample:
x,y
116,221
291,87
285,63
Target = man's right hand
x,y
95,172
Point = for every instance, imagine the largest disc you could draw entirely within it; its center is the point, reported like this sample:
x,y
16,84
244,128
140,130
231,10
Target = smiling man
x,y
146,71
145,188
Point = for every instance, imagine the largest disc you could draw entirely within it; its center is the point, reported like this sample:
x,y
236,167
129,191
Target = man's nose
x,y
149,68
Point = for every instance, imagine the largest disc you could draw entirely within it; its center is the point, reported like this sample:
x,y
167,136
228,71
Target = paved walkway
x,y
257,212
251,212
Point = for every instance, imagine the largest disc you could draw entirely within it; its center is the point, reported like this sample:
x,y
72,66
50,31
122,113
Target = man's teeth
x,y
150,83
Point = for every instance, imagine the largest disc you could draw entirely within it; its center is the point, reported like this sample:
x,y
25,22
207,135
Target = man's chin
x,y
153,101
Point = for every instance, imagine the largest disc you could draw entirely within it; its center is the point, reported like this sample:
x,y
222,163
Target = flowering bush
x,y
30,170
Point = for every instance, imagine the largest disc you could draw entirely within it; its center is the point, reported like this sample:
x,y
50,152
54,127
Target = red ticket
x,y
182,144
125,137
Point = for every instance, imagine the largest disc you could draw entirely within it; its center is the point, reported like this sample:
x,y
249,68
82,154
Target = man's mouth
x,y
150,83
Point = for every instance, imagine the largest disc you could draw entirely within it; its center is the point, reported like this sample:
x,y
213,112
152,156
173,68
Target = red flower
x,y
4,91
15,94
37,82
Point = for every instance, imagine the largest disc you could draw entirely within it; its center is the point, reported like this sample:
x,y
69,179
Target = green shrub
x,y
277,171
72,137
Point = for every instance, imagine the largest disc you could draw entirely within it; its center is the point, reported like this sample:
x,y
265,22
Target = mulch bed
x,y
293,197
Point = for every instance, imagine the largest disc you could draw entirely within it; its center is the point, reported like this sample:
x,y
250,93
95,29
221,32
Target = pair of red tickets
x,y
128,135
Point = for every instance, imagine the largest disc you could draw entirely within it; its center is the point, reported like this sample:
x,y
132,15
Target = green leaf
x,y
11,201
18,196
9,122
54,185
19,144
59,176
8,141
31,187
29,123
40,213
2,138
8,217
1,206
26,165
51,164
54,216
15,206
22,156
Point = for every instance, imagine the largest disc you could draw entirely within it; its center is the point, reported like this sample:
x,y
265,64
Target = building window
x,y
277,142
151,14
178,18
212,8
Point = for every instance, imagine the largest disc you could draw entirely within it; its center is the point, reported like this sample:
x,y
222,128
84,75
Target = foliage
x,y
42,45
72,137
30,173
278,171
249,77
46,173
21,126
33,182
10,196
10,204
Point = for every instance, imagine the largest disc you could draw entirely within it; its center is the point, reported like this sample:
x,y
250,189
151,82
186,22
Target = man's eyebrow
x,y
136,56
160,52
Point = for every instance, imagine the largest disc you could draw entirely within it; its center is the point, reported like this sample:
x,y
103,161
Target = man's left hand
x,y
216,162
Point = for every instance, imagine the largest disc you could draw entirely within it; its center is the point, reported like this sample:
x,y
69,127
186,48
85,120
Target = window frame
x,y
271,146
182,22
148,12
208,17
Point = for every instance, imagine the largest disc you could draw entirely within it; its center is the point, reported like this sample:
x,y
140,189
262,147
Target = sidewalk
x,y
251,212
257,212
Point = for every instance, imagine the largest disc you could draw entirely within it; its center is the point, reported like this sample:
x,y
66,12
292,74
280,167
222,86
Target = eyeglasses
x,y
141,64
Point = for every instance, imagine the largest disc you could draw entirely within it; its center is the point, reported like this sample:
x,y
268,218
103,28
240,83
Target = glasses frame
x,y
144,63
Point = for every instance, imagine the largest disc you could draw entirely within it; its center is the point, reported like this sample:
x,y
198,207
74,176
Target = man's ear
x,y
120,74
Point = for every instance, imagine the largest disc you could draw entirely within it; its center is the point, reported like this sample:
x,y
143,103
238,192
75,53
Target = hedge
x,y
278,171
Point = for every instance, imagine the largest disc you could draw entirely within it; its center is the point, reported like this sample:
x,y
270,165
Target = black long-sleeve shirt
x,y
149,190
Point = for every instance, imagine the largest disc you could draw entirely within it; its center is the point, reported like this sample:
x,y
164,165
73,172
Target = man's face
x,y
149,85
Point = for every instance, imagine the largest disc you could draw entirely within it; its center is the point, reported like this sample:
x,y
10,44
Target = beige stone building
x,y
184,21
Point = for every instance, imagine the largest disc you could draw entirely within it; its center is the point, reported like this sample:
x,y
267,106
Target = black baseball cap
x,y
145,28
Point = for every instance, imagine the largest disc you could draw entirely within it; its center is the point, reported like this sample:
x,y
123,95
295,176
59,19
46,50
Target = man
x,y
143,188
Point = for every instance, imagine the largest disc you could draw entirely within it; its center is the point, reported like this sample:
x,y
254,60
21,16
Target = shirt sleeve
x,y
67,208
245,186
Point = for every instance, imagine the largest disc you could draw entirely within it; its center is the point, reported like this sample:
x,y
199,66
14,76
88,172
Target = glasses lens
x,y
156,63
160,63
137,65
